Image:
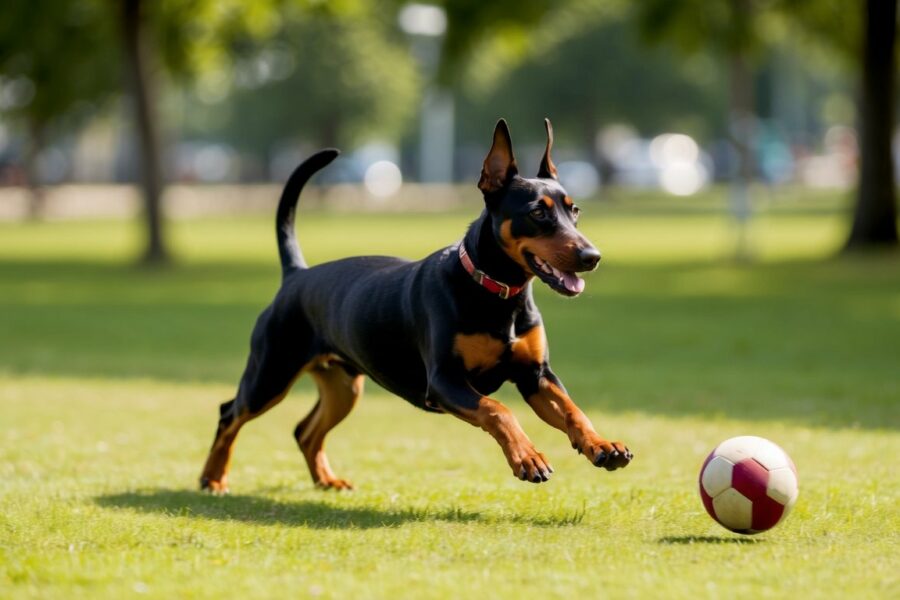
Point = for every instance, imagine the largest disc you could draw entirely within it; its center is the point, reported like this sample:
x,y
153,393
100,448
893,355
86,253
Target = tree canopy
x,y
330,78
56,60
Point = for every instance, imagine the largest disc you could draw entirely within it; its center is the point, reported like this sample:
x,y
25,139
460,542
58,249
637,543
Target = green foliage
x,y
61,51
331,72
326,78
728,27
832,24
595,73
69,50
751,27
110,381
195,37
471,24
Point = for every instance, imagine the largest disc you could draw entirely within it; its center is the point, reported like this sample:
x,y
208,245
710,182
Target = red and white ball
x,y
748,484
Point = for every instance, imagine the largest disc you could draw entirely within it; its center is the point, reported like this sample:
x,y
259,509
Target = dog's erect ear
x,y
500,164
548,169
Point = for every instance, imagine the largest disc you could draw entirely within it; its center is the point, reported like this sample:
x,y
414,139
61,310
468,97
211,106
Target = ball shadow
x,y
707,539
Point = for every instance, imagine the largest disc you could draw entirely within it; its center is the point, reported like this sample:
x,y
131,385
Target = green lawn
x,y
110,378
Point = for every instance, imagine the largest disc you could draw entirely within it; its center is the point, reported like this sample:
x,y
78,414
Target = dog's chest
x,y
482,352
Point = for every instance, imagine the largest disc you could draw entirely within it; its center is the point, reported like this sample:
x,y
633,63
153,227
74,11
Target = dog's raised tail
x,y
288,248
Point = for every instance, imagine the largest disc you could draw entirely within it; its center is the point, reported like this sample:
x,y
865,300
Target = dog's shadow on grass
x,y
706,539
298,513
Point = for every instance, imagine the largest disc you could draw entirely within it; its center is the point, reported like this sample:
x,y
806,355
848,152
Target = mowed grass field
x,y
110,379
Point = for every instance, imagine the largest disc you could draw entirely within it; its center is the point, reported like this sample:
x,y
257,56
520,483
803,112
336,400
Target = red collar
x,y
481,278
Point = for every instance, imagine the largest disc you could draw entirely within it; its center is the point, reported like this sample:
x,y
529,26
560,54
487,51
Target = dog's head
x,y
534,220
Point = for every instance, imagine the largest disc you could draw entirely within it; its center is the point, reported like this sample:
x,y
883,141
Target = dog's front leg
x,y
460,399
546,395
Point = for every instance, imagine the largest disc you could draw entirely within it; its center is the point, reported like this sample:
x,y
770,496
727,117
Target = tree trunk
x,y
742,124
139,79
32,176
875,217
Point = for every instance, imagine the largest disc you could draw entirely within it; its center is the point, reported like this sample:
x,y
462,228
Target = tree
x,y
870,40
137,48
505,24
69,53
733,30
599,73
69,56
56,69
326,78
190,29
875,214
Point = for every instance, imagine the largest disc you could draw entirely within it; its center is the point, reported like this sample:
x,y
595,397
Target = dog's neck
x,y
485,251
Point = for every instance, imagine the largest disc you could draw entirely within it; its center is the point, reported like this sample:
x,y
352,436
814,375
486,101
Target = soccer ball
x,y
748,484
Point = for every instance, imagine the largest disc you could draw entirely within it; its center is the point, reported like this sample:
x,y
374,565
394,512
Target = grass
x,y
110,377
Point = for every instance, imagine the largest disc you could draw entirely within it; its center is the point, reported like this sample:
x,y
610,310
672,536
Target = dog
x,y
442,333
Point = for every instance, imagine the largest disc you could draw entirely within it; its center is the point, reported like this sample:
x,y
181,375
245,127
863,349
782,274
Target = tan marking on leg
x,y
495,418
557,409
479,351
338,394
215,471
218,463
530,347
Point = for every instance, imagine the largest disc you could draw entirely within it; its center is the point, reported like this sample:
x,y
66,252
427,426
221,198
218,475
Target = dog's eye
x,y
538,213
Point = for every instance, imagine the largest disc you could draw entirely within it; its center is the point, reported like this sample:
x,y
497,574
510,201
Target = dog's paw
x,y
532,466
602,453
215,487
333,483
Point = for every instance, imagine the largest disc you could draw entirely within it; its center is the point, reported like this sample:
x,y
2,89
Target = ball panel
x,y
750,479
738,448
766,513
733,510
782,486
770,455
716,477
707,502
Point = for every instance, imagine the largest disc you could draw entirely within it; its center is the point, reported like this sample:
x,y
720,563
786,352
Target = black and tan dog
x,y
442,333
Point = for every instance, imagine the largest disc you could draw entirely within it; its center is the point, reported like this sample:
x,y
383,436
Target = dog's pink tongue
x,y
573,283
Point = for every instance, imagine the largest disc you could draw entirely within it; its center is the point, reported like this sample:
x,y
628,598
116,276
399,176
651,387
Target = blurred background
x,y
171,108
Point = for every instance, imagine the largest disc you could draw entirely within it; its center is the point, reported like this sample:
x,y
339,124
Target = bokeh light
x,y
677,156
383,179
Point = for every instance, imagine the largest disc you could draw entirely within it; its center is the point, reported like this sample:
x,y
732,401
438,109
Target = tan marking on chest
x,y
479,351
530,347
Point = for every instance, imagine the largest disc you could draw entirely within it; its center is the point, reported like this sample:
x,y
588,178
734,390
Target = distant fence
x,y
188,201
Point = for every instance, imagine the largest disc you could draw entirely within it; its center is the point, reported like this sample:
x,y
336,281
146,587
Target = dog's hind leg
x,y
215,472
270,372
234,415
339,389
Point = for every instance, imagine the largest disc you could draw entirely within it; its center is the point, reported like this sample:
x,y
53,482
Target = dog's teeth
x,y
546,268
557,272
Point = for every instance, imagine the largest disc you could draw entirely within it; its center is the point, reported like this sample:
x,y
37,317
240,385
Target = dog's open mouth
x,y
563,282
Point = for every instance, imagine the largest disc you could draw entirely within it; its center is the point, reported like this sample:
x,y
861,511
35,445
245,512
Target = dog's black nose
x,y
589,257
